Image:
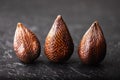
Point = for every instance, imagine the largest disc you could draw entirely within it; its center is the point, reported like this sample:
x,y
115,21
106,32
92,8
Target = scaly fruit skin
x,y
92,48
59,44
26,44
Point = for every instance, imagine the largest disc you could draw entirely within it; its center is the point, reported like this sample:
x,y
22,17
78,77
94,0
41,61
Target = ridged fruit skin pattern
x,y
92,47
59,44
26,44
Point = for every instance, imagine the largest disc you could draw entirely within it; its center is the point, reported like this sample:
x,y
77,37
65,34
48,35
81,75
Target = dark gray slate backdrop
x,y
39,15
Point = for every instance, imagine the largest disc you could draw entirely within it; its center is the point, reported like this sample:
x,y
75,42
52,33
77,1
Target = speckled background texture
x,y
38,16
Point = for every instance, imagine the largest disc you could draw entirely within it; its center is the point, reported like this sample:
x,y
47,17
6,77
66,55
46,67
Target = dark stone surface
x,y
38,15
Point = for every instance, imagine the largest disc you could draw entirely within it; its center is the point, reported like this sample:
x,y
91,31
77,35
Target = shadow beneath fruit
x,y
43,67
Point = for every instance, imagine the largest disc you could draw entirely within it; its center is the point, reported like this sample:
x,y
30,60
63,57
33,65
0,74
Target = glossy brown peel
x,y
92,48
59,44
26,44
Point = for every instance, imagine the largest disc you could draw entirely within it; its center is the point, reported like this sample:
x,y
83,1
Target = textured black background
x,y
38,15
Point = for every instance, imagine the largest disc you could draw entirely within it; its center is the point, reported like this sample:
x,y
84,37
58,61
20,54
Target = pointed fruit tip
x,y
96,22
19,24
59,17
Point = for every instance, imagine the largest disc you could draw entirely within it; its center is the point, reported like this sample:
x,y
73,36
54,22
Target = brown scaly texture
x,y
26,45
92,48
59,44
